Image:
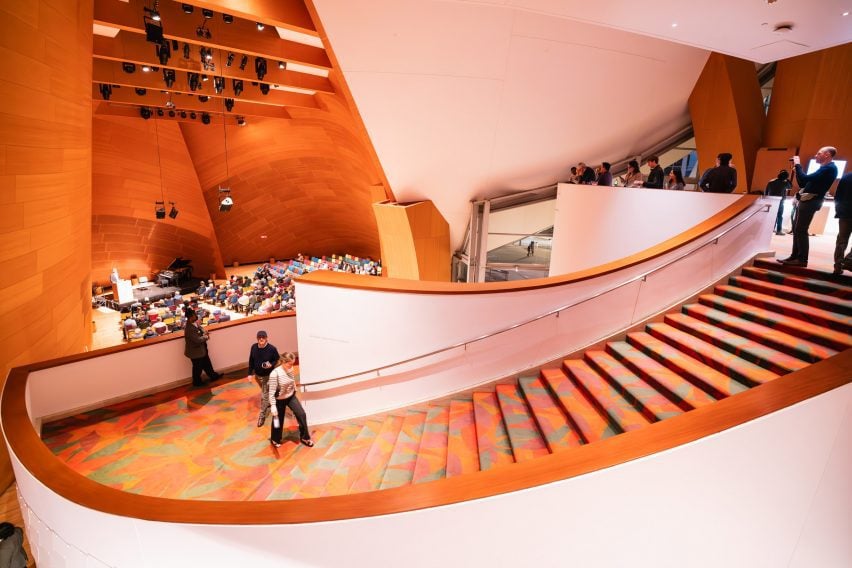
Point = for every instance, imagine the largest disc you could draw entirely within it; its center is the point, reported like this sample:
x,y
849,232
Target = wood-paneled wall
x,y
727,115
415,241
811,104
45,183
126,181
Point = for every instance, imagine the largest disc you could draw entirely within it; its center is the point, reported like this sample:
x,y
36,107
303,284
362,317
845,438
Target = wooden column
x,y
415,240
45,184
810,105
727,115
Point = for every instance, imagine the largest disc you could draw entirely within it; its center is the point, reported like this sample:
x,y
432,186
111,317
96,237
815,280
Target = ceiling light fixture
x,y
128,67
145,112
282,65
264,88
140,91
164,52
783,28
237,85
218,85
260,26
260,67
187,8
146,68
241,121
206,13
153,13
230,59
674,24
169,77
228,18
160,209
229,103
243,62
186,51
174,212
106,91
153,26
160,112
205,118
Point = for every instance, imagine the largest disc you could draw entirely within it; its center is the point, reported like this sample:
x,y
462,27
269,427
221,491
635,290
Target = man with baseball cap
x,y
262,360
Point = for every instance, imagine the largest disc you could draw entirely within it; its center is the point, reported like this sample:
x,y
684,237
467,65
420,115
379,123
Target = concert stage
x,y
148,290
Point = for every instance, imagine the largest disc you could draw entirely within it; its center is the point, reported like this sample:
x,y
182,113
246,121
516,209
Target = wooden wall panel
x,y
45,183
727,115
127,182
299,185
811,106
415,241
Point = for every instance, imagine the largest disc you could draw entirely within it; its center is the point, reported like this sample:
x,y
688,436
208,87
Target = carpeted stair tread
x,y
291,474
400,467
772,264
679,390
491,436
604,396
736,367
587,419
558,432
462,451
823,301
350,464
715,383
773,338
830,338
789,308
432,457
745,348
314,474
652,404
369,476
527,442
804,282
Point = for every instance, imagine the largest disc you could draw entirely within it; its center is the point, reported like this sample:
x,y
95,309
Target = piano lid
x,y
178,263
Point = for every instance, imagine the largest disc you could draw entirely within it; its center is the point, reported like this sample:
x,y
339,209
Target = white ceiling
x,y
464,100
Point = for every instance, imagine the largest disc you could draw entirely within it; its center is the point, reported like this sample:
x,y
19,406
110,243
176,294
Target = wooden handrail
x,y
357,281
781,393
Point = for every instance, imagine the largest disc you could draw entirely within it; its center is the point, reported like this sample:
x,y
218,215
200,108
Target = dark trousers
x,y
779,219
202,364
842,242
298,412
804,216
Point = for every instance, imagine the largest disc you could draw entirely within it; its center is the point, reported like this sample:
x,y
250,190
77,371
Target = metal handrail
x,y
643,276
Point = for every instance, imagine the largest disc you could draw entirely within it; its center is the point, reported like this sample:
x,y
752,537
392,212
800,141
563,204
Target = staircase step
x,y
345,474
818,334
745,348
604,396
585,417
527,442
291,475
679,390
804,282
715,383
772,264
789,308
737,368
400,467
432,457
491,437
369,476
558,432
822,301
462,451
645,398
770,337
320,471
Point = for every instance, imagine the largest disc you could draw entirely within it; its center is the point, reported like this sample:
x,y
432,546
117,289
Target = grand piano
x,y
176,273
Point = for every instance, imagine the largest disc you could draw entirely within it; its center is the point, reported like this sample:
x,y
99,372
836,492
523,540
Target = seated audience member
x,y
604,176
656,176
675,179
633,177
587,175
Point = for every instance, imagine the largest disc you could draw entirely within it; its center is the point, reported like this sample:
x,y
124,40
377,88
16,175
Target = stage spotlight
x,y
183,114
186,51
206,13
229,104
187,8
160,112
203,98
282,65
152,13
194,81
145,112
218,85
175,45
160,209
169,77
238,86
241,121
106,91
205,118
128,67
153,27
174,212
164,52
225,203
230,59
192,115
146,68
243,62
140,91
264,88
228,18
260,26
171,114
260,67
205,78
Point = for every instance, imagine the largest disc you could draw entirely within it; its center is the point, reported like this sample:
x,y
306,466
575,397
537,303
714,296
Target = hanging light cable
x,y
226,202
159,206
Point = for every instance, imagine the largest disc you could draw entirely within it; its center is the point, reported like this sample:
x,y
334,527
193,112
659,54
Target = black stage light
x,y
229,104
194,81
164,52
171,114
169,77
264,88
145,112
175,45
152,13
243,62
106,91
203,98
282,65
183,114
128,67
160,209
207,34
192,115
174,212
230,59
205,78
140,91
228,18
260,67
205,118
186,51
241,121
160,112
153,29
260,26
238,86
146,68
218,85
206,13
187,8
226,202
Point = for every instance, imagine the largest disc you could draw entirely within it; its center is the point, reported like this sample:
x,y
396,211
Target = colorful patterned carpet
x,y
203,443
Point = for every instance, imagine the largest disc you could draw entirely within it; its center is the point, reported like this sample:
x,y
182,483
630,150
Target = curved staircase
x,y
765,322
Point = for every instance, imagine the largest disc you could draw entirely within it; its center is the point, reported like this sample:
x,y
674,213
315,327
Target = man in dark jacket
x,y
262,360
814,187
12,553
195,349
843,212
722,178
778,187
656,177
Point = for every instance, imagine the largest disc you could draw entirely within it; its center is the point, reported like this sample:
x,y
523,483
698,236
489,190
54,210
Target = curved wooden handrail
x,y
357,281
701,422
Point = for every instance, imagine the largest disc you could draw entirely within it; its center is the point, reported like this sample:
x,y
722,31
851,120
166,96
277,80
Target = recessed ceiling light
x,y
845,13
674,25
262,236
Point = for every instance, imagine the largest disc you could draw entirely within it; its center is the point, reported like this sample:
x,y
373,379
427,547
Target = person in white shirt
x,y
282,394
